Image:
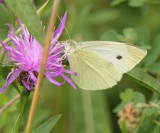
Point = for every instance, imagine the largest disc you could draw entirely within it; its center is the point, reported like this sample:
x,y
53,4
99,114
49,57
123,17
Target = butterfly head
x,y
70,46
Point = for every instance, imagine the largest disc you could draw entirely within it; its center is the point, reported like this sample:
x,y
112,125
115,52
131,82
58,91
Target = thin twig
x,y
43,65
3,109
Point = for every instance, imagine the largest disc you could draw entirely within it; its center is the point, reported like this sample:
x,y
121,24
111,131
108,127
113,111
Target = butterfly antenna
x,y
65,28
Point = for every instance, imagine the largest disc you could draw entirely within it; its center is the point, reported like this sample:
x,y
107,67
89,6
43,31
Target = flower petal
x,y
71,72
33,77
60,29
69,81
50,78
13,76
28,86
4,46
29,81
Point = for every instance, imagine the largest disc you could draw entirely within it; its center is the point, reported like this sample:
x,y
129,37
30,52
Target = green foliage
x,y
144,79
46,6
23,102
103,16
148,112
95,116
132,3
5,18
137,3
9,116
48,125
27,14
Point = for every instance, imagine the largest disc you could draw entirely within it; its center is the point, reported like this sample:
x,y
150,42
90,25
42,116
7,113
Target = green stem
x,y
88,112
23,101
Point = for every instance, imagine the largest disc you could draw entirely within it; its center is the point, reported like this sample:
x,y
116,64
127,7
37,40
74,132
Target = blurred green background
x,y
132,21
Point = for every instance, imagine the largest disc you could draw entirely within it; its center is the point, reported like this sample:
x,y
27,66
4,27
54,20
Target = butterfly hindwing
x,y
93,72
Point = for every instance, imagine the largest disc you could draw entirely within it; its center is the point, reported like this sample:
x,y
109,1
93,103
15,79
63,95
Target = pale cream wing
x,y
101,64
94,72
124,57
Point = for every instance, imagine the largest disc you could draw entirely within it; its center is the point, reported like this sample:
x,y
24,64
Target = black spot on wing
x,y
119,57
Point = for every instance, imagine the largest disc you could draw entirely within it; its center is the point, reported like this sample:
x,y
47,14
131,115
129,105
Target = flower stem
x,y
23,101
43,64
2,110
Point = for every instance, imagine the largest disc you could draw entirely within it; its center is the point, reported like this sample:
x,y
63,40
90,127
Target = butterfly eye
x,y
119,57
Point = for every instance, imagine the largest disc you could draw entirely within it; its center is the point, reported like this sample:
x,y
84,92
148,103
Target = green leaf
x,y
4,15
117,2
27,14
130,35
103,16
127,96
119,107
156,129
144,36
137,3
151,111
23,102
45,7
110,35
144,79
47,126
4,70
146,124
154,68
154,53
138,97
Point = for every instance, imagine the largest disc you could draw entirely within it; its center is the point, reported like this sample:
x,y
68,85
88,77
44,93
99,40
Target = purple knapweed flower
x,y
26,55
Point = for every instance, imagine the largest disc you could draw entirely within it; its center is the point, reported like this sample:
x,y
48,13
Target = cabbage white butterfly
x,y
101,64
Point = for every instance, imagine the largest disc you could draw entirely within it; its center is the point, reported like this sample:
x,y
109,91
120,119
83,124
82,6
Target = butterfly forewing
x,y
123,56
